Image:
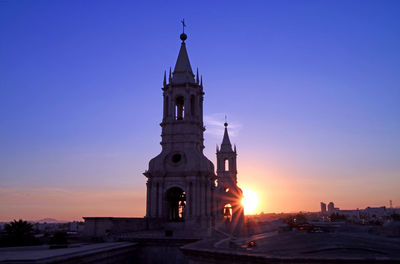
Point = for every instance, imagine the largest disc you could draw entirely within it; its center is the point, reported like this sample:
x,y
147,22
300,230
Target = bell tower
x,y
226,162
229,210
180,180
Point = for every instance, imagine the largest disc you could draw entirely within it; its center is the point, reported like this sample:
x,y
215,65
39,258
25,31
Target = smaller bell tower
x,y
230,213
226,162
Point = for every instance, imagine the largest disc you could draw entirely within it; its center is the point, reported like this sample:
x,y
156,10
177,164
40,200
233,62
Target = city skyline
x,y
311,96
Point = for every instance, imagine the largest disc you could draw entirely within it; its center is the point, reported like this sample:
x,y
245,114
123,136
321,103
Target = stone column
x,y
160,199
203,198
190,199
153,199
198,198
206,199
148,200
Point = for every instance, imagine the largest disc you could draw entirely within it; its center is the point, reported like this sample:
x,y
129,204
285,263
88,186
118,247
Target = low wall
x,y
101,227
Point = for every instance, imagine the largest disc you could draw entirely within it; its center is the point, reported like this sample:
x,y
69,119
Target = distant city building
x,y
351,215
380,214
323,208
331,208
375,213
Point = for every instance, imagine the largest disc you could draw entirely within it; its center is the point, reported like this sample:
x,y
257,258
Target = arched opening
x,y
176,198
226,165
157,199
228,212
179,108
192,105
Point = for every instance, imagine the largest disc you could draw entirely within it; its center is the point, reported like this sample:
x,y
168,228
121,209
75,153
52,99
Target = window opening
x,y
176,204
179,108
176,158
228,212
226,165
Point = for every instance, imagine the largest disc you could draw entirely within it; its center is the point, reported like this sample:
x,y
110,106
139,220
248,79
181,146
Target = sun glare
x,y
250,201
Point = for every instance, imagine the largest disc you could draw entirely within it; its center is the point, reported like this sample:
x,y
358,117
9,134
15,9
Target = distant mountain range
x,y
49,221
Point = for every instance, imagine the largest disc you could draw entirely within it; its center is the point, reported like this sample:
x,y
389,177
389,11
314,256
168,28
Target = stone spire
x,y
226,145
183,71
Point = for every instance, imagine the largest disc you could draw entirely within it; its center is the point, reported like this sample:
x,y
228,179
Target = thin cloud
x,y
215,125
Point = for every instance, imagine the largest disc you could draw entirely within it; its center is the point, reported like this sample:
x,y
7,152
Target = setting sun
x,y
250,201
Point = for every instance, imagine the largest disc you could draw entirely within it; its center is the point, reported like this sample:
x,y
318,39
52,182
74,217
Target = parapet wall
x,y
101,227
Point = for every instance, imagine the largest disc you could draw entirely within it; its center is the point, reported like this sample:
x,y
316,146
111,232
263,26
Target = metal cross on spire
x,y
183,25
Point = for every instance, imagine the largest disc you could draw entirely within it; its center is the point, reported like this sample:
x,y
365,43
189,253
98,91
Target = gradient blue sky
x,y
311,90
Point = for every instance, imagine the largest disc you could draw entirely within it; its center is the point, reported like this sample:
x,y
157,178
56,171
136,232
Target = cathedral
x,y
184,194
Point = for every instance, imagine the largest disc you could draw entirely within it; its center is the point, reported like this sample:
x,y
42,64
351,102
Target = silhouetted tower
x,y
229,195
226,162
323,208
331,208
181,179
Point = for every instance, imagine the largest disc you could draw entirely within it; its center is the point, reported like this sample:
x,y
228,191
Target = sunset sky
x,y
311,90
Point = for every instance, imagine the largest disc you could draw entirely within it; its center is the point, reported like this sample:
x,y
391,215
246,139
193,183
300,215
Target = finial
x,y
165,78
170,76
201,81
183,25
183,35
226,123
197,76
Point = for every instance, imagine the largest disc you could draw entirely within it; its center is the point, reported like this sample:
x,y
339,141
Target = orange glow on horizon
x,y
69,204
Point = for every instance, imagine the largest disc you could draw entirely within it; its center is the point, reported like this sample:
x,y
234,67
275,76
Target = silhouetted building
x,y
181,188
323,208
184,195
228,205
181,178
331,208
